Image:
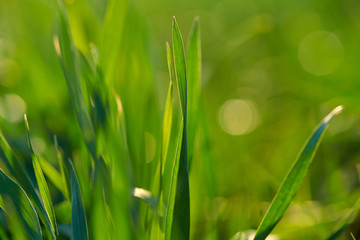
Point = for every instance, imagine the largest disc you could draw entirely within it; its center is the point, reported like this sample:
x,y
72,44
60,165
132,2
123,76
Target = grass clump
x,y
130,177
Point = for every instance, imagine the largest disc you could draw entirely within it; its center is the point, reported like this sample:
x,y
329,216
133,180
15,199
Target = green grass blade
x,y
292,182
67,56
43,188
18,171
53,175
167,122
181,220
112,37
63,169
180,66
22,204
78,219
170,214
193,73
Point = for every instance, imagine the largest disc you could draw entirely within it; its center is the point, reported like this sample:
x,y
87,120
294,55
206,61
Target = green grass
x,y
135,165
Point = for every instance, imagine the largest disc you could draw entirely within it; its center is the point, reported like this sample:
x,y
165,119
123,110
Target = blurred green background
x,y
271,70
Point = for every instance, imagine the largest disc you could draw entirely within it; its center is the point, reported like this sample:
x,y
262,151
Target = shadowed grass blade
x,y
78,219
63,169
193,73
294,178
43,188
181,221
22,204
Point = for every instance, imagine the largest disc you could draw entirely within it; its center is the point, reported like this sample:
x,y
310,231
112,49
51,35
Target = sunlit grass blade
x,y
345,221
165,166
53,175
112,37
67,56
17,169
78,218
167,121
193,73
181,221
43,188
29,218
180,66
294,178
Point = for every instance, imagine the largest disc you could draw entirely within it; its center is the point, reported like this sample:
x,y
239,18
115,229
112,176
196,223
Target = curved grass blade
x,y
193,73
22,204
18,171
294,178
181,221
78,219
43,188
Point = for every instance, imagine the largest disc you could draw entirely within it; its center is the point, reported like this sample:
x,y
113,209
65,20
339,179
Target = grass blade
x,y
170,213
52,174
22,204
112,37
193,73
292,182
181,220
43,188
18,171
63,169
67,56
78,219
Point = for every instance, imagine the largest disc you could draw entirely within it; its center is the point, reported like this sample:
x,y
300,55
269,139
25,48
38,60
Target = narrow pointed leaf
x,y
179,65
181,221
78,219
22,204
193,73
43,188
294,178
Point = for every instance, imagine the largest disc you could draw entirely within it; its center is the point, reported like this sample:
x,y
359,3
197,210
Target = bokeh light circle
x,y
320,52
12,107
238,116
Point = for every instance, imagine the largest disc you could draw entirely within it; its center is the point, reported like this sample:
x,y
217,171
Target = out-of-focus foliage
x,y
270,70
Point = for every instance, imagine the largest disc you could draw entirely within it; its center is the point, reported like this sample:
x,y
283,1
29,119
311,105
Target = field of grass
x,y
120,121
